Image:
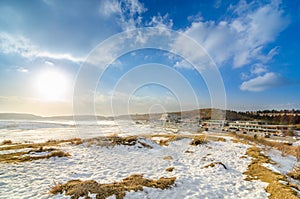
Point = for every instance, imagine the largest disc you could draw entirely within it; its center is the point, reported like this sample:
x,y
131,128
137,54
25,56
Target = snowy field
x,y
42,131
108,164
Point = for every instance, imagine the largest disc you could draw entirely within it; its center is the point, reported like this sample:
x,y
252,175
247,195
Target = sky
x,y
128,56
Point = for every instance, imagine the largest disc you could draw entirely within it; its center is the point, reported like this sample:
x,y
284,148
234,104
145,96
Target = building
x,y
257,126
214,124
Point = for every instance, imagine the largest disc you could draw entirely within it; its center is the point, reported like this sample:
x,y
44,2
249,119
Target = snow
x,y
297,143
108,164
42,131
284,164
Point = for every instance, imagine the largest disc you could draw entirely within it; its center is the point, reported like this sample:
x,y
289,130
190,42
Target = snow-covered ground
x,y
41,131
108,164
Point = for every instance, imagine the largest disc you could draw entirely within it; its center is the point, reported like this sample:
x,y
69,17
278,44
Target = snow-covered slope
x,y
108,164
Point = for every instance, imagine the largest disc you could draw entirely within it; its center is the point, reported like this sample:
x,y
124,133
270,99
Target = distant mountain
x,y
79,117
19,116
202,114
24,116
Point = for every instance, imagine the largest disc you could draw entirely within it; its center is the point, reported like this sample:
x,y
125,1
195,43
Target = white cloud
x,y
49,63
261,83
65,56
128,12
109,8
241,40
161,21
22,70
195,18
183,64
16,44
258,69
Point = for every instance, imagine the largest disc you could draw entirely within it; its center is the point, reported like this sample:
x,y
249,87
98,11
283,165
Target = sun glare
x,y
52,85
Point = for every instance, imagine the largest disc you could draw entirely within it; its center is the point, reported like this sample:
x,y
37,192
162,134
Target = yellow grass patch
x,y
283,147
78,188
37,145
256,171
26,155
221,139
167,158
198,140
34,148
7,142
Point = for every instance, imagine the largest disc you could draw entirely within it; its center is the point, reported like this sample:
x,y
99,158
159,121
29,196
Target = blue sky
x,y
45,44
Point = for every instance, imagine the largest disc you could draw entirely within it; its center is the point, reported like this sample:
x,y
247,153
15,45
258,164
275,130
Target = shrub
x,y
7,142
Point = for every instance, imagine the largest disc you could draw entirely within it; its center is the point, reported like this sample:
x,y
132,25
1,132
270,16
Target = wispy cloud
x,y
22,70
16,44
127,12
258,69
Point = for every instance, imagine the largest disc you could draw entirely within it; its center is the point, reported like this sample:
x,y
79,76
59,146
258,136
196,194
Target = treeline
x,y
285,118
285,111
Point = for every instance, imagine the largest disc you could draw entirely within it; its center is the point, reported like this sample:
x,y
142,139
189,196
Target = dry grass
x,y
285,148
168,158
298,153
27,155
7,142
114,140
78,188
145,145
37,145
168,138
214,164
170,169
256,171
77,142
29,148
173,137
198,140
220,139
295,173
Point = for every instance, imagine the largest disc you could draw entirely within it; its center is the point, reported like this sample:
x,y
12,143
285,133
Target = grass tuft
x,y
167,158
135,182
7,142
26,155
214,164
220,139
295,173
170,169
198,140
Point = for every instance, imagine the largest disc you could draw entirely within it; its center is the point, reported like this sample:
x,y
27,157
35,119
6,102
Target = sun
x,y
52,85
